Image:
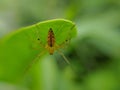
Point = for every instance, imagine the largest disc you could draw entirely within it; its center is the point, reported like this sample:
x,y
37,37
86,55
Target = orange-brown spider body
x,y
51,42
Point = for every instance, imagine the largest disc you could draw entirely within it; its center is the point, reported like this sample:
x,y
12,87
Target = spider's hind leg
x,y
64,57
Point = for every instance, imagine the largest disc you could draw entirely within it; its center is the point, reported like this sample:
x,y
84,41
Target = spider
x,y
51,45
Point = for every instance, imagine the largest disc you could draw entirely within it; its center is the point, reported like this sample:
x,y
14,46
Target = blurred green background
x,y
94,53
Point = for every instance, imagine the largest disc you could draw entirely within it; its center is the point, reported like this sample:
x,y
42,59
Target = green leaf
x,y
22,46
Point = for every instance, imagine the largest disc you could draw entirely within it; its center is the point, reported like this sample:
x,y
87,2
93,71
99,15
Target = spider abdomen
x,y
51,38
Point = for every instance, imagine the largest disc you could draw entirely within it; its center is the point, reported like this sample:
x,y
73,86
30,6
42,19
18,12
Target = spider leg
x,y
66,60
35,60
38,36
35,40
